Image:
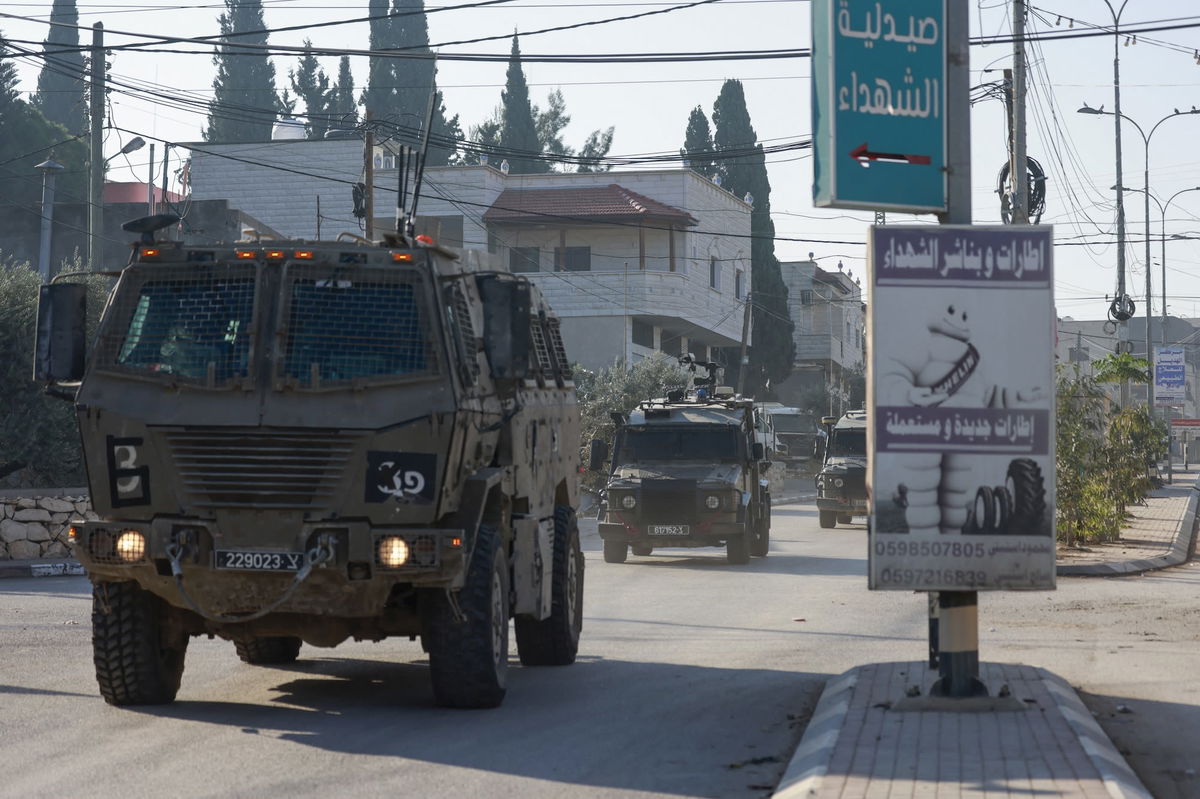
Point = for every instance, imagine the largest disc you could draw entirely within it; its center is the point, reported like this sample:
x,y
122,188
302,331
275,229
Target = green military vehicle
x,y
842,481
686,471
295,442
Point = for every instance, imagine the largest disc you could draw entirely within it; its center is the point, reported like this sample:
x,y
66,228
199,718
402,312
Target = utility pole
x,y
369,177
1017,171
150,185
744,359
1122,324
96,148
958,611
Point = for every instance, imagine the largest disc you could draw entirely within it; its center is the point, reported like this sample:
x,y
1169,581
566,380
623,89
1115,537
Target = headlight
x,y
712,502
392,552
838,482
628,501
131,546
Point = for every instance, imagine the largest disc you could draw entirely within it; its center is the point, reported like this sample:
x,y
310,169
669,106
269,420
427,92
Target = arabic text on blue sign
x,y
978,430
880,103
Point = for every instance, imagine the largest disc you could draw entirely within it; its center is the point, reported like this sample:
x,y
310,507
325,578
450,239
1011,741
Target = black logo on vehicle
x,y
405,477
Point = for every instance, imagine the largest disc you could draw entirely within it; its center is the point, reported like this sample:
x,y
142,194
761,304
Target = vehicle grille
x,y
260,469
668,501
855,485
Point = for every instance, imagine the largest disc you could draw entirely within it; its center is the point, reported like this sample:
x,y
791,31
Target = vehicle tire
x,y
761,542
641,550
1028,491
138,662
268,649
845,518
983,513
827,518
554,641
1004,505
737,550
615,551
468,659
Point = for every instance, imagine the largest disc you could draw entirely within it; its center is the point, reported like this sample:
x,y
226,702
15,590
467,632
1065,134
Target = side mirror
x,y
598,455
757,451
507,314
61,333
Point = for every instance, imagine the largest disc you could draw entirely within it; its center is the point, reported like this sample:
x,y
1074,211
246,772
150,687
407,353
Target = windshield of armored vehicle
x,y
848,443
792,423
642,443
185,326
365,325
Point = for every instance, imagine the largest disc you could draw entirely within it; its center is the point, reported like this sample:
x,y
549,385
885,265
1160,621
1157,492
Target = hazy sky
x,y
649,105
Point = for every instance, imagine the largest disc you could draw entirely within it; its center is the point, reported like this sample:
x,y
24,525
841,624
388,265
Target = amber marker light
x,y
72,533
402,257
303,255
274,255
151,252
131,546
456,542
246,255
393,552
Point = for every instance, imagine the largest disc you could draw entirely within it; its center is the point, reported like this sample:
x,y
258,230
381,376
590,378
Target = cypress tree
x,y
398,89
698,144
743,168
518,130
311,85
60,83
341,107
244,104
443,147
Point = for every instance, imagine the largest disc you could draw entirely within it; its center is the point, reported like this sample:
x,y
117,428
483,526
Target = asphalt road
x,y
694,679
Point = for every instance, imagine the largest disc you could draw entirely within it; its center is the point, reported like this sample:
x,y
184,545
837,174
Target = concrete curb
x,y
810,762
1180,551
1119,779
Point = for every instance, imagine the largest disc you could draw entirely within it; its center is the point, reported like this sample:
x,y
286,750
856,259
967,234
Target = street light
x,y
96,201
1146,137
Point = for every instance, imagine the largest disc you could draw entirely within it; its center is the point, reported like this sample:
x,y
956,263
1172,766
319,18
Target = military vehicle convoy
x,y
299,442
686,471
842,481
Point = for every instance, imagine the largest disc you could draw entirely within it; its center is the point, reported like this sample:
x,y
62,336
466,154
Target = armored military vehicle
x,y
842,481
686,471
307,442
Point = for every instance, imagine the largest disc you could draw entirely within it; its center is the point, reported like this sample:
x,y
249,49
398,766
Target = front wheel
x,y
468,657
737,550
827,519
615,551
554,641
761,542
139,660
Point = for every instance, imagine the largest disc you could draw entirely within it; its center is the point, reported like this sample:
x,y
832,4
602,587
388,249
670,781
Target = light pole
x,y
1121,189
96,200
49,168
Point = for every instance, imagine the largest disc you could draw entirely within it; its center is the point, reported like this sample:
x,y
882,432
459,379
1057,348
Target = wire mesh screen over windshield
x,y
648,443
194,324
353,325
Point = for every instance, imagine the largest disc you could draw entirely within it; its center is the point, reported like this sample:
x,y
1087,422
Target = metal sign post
x,y
879,90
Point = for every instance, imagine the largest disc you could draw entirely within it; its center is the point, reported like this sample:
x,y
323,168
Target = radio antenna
x,y
406,213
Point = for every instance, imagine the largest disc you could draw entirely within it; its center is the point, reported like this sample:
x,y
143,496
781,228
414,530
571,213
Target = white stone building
x,y
634,262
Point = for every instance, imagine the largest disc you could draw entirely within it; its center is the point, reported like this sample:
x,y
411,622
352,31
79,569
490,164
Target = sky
x,y
649,105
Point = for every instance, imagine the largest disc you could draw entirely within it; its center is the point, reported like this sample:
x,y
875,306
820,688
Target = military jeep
x,y
842,481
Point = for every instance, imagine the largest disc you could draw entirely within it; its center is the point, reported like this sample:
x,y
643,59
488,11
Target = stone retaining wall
x,y
36,527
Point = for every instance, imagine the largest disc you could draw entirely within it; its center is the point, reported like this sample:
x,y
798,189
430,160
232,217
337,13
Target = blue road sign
x,y
879,104
1170,376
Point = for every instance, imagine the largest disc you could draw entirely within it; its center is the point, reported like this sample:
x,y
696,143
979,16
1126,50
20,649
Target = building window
x,y
524,259
806,297
573,259
739,289
714,272
671,343
643,334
